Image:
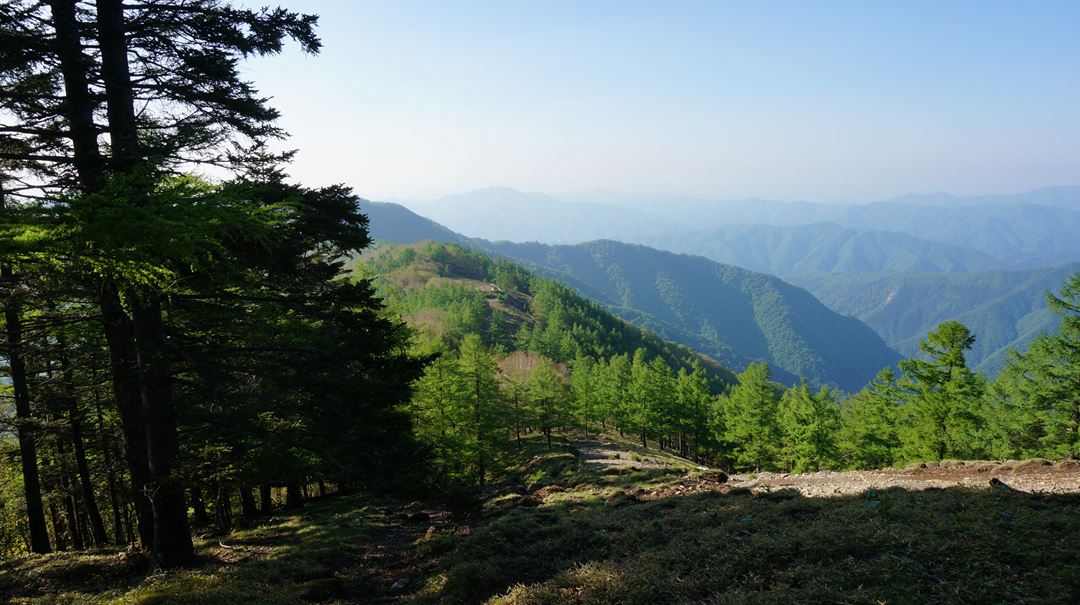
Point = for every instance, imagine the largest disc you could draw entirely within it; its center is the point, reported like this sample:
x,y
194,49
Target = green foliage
x,y
731,314
941,417
750,420
1036,399
808,423
868,435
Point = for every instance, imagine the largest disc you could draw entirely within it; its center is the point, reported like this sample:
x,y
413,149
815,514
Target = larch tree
x,y
941,416
750,419
868,435
1042,385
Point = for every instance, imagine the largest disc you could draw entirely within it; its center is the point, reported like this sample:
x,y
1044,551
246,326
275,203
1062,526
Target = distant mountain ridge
x,y
825,248
501,213
398,225
1031,230
1004,308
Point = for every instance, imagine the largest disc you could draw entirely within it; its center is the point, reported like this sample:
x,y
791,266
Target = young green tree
x,y
645,396
584,390
694,401
479,374
808,423
750,419
868,436
1039,390
550,397
441,415
514,372
941,418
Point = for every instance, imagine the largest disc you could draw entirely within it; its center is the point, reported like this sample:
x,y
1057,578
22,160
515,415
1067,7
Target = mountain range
x,y
1032,230
900,285
732,314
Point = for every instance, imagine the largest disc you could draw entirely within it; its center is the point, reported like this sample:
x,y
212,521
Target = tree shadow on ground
x,y
896,546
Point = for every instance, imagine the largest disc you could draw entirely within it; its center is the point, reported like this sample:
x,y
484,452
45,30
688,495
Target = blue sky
x,y
832,101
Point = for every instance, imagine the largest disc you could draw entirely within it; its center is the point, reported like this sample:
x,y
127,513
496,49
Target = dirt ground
x,y
1029,476
604,455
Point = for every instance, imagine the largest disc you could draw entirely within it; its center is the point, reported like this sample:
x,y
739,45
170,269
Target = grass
x,y
580,535
284,561
894,546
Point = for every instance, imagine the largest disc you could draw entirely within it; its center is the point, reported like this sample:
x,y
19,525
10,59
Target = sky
x,y
824,101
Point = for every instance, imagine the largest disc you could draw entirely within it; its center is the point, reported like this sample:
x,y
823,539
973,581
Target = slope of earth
x,y
1005,309
576,530
729,313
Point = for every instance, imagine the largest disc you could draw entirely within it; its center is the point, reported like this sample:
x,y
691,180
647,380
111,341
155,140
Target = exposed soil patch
x,y
1030,476
603,455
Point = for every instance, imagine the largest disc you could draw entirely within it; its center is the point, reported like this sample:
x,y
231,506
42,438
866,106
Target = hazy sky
x,y
792,100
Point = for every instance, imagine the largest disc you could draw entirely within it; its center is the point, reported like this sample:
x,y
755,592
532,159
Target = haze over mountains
x,y
901,265
1036,229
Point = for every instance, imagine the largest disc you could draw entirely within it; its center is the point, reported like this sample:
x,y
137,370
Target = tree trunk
x,y
119,334
96,525
58,526
78,106
106,455
69,513
266,499
172,535
198,507
292,495
35,512
248,510
222,509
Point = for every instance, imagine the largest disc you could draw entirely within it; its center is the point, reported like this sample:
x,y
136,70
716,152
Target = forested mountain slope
x,y
824,248
448,291
1004,309
730,313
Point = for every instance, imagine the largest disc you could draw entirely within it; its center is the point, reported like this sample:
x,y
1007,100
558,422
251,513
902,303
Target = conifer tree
x,y
693,403
549,395
478,371
868,436
583,387
941,417
750,419
808,423
1041,386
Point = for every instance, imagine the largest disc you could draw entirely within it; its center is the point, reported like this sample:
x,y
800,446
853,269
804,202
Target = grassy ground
x,y
573,533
